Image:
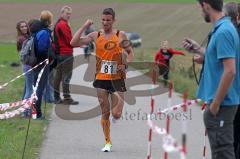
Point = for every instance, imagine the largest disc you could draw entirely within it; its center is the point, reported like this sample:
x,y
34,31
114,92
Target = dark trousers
x,y
64,75
237,134
41,86
220,132
164,70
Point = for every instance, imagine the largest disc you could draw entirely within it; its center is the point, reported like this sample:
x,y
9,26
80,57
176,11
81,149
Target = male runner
x,y
111,61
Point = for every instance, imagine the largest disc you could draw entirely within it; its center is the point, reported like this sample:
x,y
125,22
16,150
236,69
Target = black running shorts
x,y
111,85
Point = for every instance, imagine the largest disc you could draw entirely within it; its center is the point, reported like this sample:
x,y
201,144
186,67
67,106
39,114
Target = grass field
x,y
13,131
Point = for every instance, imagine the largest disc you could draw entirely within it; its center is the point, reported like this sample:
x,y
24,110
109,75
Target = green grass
x,y
13,131
8,52
8,55
110,1
180,72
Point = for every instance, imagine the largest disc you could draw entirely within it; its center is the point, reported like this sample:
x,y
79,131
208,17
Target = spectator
x,y
231,9
64,52
23,33
162,58
219,81
42,47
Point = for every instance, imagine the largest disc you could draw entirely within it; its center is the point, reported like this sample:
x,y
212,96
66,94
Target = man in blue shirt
x,y
219,83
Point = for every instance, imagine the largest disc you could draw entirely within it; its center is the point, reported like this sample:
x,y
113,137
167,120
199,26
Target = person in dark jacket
x,y
64,52
231,9
42,42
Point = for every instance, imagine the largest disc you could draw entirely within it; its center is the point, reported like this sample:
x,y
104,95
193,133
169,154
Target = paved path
x,y
83,139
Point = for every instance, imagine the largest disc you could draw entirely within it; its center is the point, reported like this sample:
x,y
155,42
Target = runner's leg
x,y
117,104
105,107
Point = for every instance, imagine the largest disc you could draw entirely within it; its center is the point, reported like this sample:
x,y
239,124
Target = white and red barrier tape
x,y
26,102
183,153
149,153
175,107
169,103
6,106
14,79
205,135
18,111
169,143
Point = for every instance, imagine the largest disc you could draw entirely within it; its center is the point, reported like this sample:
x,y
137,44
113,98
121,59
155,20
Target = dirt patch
x,y
154,22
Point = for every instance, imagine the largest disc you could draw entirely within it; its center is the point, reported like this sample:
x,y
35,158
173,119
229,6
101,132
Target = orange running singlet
x,y
108,57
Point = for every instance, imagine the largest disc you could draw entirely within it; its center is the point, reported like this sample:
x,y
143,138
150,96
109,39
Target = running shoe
x,y
107,148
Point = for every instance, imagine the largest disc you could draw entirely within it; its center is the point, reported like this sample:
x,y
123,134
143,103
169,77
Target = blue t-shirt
x,y
224,43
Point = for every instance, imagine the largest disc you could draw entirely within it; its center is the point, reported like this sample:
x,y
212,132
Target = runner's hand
x,y
88,23
121,68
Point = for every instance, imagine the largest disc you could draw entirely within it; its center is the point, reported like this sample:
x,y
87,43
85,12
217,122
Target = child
x,y
162,58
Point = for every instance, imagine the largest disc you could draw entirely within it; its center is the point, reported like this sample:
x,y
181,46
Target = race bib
x,y
109,67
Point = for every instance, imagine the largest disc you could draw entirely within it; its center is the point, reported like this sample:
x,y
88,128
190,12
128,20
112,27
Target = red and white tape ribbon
x,y
13,113
28,102
169,103
6,106
175,107
183,153
18,111
205,134
39,77
152,103
169,143
14,79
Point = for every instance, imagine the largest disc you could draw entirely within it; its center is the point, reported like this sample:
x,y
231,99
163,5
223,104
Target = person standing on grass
x,y
23,34
219,81
231,9
64,53
42,47
111,64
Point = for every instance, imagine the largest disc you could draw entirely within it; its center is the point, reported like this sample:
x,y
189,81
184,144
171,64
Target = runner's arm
x,y
79,40
127,49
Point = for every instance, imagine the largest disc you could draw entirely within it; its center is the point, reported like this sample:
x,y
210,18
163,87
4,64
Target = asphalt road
x,y
75,131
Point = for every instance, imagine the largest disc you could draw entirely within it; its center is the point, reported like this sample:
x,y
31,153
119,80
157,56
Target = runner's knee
x,y
117,115
106,115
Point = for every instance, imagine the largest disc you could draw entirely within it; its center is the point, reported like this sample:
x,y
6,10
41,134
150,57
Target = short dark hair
x,y
215,4
231,9
109,11
35,25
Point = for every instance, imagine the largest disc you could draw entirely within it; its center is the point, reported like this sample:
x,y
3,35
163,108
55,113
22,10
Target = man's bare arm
x,y
225,82
128,49
79,40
